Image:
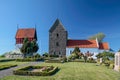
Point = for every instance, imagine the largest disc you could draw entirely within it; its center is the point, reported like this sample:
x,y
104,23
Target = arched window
x,y
54,53
57,35
57,44
59,53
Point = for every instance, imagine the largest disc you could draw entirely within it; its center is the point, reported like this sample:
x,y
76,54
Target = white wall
x,y
83,50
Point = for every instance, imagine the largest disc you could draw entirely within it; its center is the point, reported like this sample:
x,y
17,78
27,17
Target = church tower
x,y
57,39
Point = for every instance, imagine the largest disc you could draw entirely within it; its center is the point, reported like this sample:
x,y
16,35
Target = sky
x,y
81,18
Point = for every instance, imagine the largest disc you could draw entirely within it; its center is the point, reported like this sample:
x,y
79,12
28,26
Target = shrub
x,y
56,60
111,66
46,54
53,61
2,67
24,71
6,60
82,60
29,59
54,55
64,59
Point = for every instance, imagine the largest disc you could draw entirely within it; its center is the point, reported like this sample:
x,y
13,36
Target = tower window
x,y
59,53
57,35
54,53
57,44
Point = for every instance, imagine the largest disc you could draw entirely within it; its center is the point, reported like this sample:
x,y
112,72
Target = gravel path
x,y
8,72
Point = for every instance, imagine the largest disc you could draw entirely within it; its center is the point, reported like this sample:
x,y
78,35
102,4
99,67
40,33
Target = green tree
x,y
29,47
105,55
34,46
119,50
46,54
85,58
99,36
76,51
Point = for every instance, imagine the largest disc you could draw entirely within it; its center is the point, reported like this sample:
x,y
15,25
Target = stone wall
x,y
58,41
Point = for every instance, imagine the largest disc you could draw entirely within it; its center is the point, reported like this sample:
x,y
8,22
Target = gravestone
x,y
117,61
100,60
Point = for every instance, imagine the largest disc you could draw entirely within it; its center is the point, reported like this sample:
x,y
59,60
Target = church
x,y
60,45
21,33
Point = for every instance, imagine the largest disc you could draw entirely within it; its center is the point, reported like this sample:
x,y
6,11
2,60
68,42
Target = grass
x,y
73,71
12,62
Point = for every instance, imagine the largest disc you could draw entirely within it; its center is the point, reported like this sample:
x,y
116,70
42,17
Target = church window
x,y
57,44
59,53
54,53
57,35
70,51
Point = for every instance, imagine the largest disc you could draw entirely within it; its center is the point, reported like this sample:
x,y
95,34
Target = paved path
x,y
8,72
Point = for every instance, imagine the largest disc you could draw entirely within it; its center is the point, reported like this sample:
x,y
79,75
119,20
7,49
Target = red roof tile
x,y
82,43
23,33
104,46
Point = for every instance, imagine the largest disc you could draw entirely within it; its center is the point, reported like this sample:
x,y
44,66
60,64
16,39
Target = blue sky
x,y
81,18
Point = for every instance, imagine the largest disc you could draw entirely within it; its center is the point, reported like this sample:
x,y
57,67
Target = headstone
x,y
117,61
100,60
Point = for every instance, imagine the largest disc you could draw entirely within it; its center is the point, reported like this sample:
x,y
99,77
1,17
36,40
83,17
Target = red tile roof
x,y
23,33
104,46
82,43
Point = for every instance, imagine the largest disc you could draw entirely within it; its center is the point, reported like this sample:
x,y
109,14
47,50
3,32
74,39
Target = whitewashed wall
x,y
83,50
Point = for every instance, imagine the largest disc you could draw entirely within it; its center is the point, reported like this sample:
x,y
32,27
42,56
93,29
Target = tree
x,y
99,55
34,46
99,36
85,58
119,50
76,51
80,55
29,47
105,55
88,54
46,54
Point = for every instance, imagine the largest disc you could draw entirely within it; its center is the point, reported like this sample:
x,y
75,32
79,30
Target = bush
x,y
64,59
53,61
56,60
111,66
82,60
2,67
46,54
36,56
6,60
24,71
29,59
54,55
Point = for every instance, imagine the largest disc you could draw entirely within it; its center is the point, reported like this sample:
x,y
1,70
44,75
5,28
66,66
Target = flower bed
x,y
36,71
2,67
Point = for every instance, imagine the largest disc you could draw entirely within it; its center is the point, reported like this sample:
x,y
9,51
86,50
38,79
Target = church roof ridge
x,y
56,23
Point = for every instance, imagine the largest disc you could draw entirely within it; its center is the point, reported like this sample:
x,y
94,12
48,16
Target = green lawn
x,y
73,71
12,62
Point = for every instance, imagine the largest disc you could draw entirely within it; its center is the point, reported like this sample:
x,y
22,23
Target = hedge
x,y
5,60
80,60
54,61
29,59
2,67
24,71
